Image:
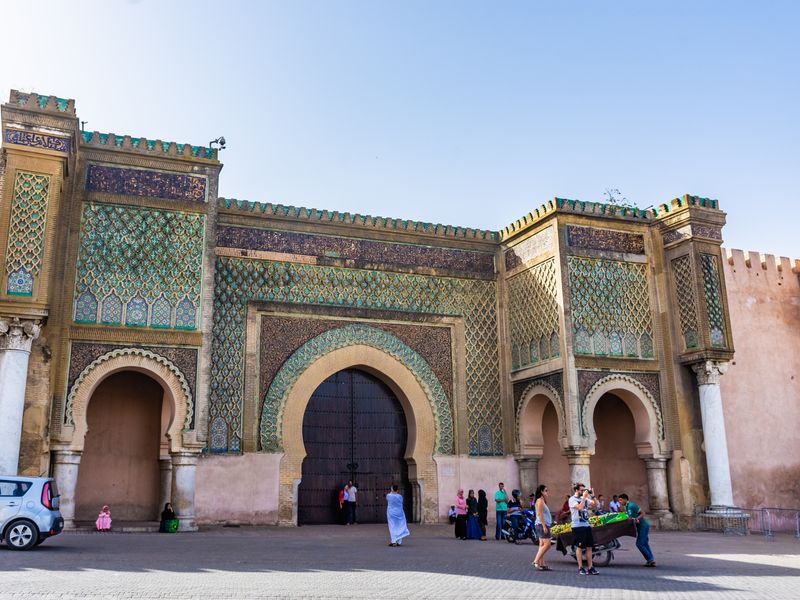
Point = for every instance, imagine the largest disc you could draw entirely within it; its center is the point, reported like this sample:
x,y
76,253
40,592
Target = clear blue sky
x,y
464,113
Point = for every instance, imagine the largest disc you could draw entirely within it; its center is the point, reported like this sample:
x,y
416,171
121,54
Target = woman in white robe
x,y
396,517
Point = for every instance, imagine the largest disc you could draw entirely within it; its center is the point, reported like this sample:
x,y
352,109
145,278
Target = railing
x,y
766,521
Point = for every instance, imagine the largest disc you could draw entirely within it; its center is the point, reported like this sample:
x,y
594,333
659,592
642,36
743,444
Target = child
x,y
103,522
451,514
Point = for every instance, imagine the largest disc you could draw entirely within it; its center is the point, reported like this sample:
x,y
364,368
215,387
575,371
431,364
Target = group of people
x,y
469,516
348,497
168,523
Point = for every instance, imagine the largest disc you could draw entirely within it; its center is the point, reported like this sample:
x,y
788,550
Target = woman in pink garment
x,y
103,522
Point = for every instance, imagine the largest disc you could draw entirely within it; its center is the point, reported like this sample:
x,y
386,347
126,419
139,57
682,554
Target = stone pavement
x,y
355,562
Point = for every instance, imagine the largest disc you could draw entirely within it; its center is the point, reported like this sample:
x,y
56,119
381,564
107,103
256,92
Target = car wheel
x,y
21,535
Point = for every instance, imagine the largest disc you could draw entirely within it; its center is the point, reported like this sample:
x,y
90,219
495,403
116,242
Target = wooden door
x,y
353,429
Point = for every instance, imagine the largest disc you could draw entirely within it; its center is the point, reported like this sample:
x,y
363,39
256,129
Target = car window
x,y
14,488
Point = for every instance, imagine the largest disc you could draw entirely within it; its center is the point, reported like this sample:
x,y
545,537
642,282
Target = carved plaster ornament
x,y
18,335
708,372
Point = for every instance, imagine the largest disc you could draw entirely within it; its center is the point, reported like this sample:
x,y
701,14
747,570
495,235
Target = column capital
x,y
184,459
708,372
655,463
578,456
67,457
527,460
18,335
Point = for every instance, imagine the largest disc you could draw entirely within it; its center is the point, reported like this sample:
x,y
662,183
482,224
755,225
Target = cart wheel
x,y
605,559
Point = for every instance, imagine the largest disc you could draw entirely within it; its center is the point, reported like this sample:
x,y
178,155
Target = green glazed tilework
x,y
141,267
533,315
238,281
26,232
610,308
683,273
714,305
342,337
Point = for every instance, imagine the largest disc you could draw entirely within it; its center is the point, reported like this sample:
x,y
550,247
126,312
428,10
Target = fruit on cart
x,y
560,528
614,517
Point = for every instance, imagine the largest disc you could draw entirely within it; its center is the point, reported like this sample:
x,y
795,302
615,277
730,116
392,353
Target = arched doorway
x,y
553,466
354,427
616,464
126,428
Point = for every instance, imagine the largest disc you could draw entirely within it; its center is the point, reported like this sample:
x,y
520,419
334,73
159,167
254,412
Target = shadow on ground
x,y
430,549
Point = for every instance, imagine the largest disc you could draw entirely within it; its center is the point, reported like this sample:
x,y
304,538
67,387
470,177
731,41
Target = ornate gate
x,y
353,428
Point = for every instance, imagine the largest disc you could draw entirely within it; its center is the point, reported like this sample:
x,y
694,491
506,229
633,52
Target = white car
x,y
28,511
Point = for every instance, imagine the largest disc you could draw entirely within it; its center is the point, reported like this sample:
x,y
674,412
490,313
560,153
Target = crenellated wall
x,y
761,391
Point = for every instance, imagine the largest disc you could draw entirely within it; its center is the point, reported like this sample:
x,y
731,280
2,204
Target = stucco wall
x,y
473,473
238,489
761,391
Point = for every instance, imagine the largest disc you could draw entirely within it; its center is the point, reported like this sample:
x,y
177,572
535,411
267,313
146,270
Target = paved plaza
x,y
355,562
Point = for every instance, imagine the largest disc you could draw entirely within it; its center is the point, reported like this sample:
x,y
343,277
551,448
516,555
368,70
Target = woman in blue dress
x,y
396,517
473,527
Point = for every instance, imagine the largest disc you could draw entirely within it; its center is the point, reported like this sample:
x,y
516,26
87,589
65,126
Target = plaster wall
x,y
761,390
469,472
250,484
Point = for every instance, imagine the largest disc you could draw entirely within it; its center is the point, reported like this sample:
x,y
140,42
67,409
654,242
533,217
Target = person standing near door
x,y
352,491
501,508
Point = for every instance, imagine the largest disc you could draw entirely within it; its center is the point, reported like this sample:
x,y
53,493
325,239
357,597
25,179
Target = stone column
x,y
578,460
657,482
16,338
184,467
716,444
65,472
165,487
528,474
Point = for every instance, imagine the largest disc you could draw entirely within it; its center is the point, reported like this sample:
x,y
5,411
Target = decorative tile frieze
x,y
26,232
239,281
142,182
587,379
593,238
610,304
552,380
367,251
707,231
341,337
282,335
533,314
82,354
35,139
528,249
140,265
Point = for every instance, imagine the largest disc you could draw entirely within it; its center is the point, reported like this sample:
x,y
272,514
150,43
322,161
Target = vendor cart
x,y
606,540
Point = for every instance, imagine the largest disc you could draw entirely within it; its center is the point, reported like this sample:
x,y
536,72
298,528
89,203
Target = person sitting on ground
x,y
168,522
103,522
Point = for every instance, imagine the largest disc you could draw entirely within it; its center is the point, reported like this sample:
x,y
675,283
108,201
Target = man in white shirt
x,y
579,505
613,506
352,492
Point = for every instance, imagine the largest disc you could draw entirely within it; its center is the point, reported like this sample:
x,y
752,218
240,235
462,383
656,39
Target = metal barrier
x,y
767,521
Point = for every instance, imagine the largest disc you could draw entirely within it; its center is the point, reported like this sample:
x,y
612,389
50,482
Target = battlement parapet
x,y
144,145
741,259
301,213
601,209
39,102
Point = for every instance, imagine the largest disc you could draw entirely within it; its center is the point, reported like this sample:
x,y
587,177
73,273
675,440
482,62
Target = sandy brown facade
x,y
174,337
